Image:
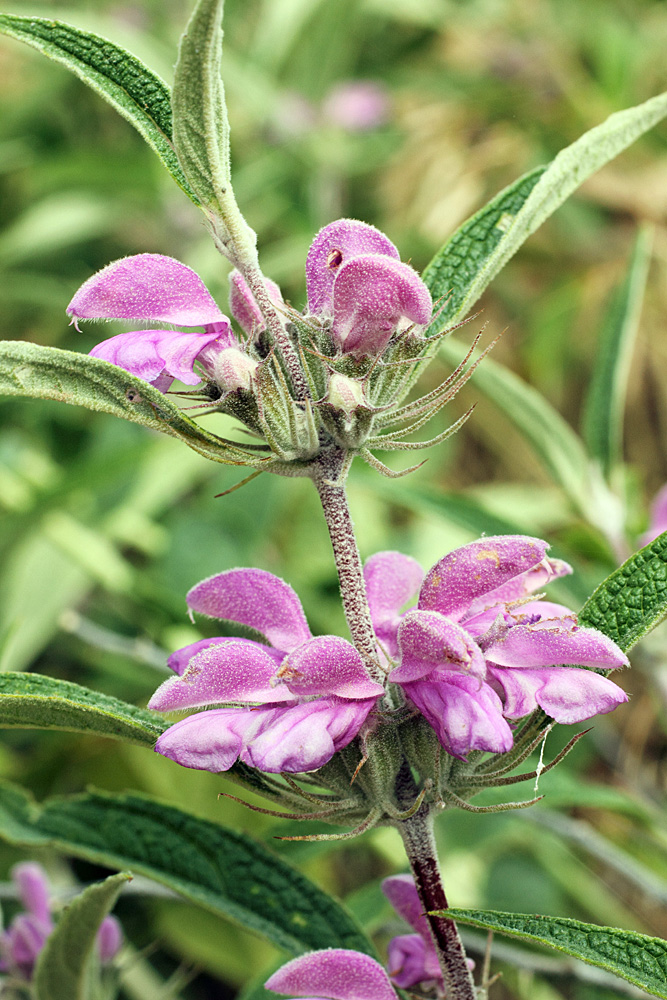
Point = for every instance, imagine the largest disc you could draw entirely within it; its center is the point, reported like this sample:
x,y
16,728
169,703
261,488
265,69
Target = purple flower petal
x,y
23,941
428,641
521,586
392,579
410,961
336,974
233,670
179,660
333,245
149,354
304,737
465,713
550,643
33,888
147,287
207,741
328,665
256,598
109,939
272,738
567,694
373,297
401,892
478,569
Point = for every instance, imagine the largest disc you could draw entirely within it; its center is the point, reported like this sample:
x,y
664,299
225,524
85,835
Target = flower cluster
x,y
478,652
26,936
354,345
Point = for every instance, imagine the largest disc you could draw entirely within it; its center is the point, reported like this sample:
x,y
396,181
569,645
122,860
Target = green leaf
x,y
201,126
69,377
116,75
451,274
211,866
476,253
32,701
62,969
633,600
559,449
640,959
605,403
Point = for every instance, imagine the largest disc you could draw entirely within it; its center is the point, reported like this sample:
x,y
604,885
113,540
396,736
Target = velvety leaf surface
x,y
35,702
216,868
452,272
201,126
118,76
62,967
484,244
68,377
633,600
640,959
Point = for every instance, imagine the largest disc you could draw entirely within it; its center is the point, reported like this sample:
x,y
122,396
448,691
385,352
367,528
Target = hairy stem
x,y
419,842
346,554
284,346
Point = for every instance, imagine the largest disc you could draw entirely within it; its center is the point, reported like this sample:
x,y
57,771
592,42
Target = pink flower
x,y
412,958
155,289
24,939
333,974
292,702
478,650
658,520
357,105
355,279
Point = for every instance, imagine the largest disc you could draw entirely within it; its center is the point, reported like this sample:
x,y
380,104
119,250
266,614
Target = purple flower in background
x,y
293,701
25,937
333,974
658,519
412,958
155,289
479,650
357,105
355,279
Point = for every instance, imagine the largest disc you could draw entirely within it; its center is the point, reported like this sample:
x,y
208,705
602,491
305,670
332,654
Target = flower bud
x,y
230,367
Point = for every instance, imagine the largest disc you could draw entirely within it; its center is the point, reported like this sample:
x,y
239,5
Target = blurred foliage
x,y
105,526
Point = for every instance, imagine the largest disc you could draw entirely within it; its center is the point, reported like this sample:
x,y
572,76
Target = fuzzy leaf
x,y
116,75
62,967
69,377
640,959
633,600
201,126
605,403
32,701
484,244
216,868
560,450
452,273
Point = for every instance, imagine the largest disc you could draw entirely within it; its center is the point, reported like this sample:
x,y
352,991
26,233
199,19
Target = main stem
x,y
419,842
346,554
